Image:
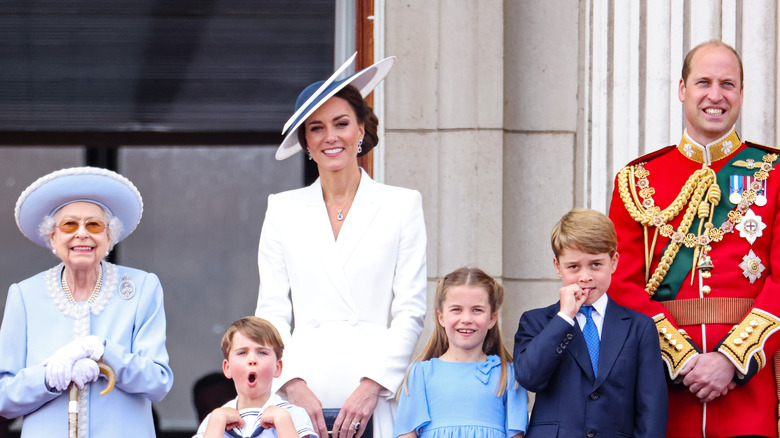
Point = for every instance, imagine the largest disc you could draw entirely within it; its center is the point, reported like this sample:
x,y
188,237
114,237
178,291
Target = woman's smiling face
x,y
332,134
80,249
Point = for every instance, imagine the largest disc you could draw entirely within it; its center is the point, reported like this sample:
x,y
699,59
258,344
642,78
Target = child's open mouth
x,y
252,378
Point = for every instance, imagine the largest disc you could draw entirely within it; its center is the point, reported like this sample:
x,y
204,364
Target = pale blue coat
x,y
35,325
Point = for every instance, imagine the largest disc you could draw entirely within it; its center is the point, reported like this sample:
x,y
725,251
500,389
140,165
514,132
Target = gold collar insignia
x,y
712,152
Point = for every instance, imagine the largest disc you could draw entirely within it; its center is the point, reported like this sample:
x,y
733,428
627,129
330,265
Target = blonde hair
x,y
585,230
256,329
438,344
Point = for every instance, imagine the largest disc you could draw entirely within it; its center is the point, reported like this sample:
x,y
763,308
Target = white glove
x,y
59,366
84,371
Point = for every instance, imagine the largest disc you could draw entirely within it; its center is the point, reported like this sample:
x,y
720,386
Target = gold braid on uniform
x,y
676,346
702,182
745,342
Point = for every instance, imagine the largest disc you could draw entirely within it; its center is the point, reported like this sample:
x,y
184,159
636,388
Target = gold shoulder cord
x,y
702,194
647,213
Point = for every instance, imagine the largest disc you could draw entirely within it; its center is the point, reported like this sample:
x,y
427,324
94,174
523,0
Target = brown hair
x,y
585,230
686,68
256,329
363,112
492,345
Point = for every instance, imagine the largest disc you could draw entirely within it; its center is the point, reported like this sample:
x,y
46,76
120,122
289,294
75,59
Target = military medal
x,y
126,288
735,189
741,183
760,188
751,227
752,267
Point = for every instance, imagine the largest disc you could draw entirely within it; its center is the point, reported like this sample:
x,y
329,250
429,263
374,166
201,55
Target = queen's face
x,y
332,134
80,249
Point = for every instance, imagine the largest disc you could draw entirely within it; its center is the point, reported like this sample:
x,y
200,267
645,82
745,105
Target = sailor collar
x,y
712,152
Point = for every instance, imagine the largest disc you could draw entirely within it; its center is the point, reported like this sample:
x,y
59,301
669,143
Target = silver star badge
x,y
751,227
751,267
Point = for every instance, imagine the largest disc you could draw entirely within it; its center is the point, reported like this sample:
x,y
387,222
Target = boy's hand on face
x,y
572,297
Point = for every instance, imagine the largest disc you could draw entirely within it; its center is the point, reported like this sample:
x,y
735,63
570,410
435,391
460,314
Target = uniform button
x,y
563,346
566,341
591,433
569,336
559,350
706,290
594,395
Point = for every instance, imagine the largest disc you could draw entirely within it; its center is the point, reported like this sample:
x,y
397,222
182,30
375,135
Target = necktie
x,y
591,337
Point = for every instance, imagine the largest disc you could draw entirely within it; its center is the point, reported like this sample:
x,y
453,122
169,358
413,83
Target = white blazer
x,y
347,308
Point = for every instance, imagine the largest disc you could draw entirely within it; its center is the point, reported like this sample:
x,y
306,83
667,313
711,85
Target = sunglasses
x,y
92,226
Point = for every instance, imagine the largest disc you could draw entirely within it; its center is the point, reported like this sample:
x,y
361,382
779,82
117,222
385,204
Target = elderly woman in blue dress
x,y
61,322
342,265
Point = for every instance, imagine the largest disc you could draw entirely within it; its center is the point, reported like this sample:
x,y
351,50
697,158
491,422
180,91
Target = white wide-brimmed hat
x,y
316,94
90,184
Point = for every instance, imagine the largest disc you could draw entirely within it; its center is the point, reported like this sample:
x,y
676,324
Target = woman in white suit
x,y
342,265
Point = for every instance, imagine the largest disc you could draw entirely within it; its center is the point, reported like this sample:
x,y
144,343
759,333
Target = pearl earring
x,y
308,152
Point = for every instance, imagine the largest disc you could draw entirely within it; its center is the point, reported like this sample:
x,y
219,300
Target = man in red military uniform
x,y
699,230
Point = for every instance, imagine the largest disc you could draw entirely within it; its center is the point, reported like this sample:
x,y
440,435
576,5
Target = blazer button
x,y
559,350
569,336
594,395
563,346
591,433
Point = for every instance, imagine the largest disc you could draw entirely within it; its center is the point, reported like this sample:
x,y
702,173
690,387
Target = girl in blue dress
x,y
463,383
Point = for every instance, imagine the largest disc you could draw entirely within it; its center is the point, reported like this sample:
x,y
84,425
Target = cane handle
x,y
106,370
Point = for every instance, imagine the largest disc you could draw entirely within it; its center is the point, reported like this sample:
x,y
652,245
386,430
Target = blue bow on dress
x,y
483,368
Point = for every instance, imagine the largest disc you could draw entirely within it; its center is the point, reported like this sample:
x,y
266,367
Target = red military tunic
x,y
720,292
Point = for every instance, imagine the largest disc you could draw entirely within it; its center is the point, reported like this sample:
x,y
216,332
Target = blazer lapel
x,y
321,235
358,222
578,348
613,337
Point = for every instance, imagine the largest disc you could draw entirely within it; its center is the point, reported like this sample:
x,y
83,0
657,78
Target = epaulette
x,y
651,155
771,149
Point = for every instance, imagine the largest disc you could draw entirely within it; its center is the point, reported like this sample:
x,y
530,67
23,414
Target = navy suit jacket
x,y
629,397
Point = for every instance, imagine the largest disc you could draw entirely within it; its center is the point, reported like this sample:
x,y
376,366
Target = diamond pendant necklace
x,y
339,216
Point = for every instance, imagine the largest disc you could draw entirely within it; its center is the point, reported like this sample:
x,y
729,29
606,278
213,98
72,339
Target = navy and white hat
x,y
316,94
51,192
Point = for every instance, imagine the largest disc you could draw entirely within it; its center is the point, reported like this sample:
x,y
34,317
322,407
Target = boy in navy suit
x,y
593,364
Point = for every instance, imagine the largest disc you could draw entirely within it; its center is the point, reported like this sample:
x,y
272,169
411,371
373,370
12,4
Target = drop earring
x,y
360,146
308,152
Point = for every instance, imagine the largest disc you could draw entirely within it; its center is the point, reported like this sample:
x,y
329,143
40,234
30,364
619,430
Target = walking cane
x,y
73,399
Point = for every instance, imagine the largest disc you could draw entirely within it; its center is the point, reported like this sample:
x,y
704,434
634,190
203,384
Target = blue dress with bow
x,y
454,399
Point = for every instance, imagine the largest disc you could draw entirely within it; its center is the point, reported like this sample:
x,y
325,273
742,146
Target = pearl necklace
x,y
95,290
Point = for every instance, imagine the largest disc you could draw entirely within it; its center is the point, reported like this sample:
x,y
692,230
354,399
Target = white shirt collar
x,y
600,305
